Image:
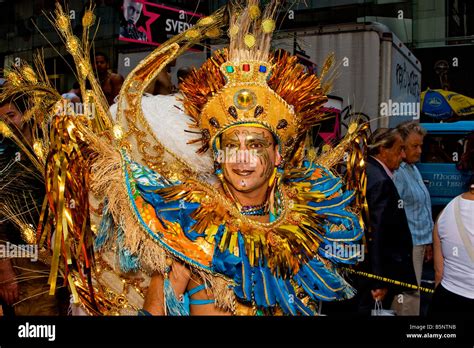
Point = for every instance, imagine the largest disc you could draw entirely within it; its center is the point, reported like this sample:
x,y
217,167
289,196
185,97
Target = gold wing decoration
x,y
59,156
63,146
132,130
95,106
351,151
32,86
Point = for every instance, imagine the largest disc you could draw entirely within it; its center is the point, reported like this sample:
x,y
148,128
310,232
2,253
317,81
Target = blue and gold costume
x,y
159,204
284,264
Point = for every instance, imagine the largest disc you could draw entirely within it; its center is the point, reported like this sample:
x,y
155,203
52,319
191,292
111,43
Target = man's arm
x,y
116,81
428,253
154,299
377,199
8,286
438,258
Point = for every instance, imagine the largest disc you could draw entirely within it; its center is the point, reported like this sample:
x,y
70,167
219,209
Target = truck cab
x,y
443,147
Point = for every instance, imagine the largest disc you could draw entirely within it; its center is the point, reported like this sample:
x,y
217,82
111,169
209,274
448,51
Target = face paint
x,y
256,157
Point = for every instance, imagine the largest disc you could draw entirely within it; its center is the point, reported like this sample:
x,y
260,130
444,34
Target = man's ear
x,y
277,156
382,153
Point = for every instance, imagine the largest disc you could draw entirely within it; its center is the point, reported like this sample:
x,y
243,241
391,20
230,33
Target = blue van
x,y
442,149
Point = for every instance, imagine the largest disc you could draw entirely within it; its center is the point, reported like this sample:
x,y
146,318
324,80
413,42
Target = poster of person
x,y
132,9
150,23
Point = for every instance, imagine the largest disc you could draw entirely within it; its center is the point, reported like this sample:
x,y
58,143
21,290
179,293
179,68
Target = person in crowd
x,y
453,250
163,84
109,81
182,73
388,237
24,288
417,203
453,239
466,161
74,95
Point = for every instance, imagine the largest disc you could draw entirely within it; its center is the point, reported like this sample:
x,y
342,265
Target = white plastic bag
x,y
379,311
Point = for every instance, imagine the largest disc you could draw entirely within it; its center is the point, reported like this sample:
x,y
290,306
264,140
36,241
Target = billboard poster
x,y
146,22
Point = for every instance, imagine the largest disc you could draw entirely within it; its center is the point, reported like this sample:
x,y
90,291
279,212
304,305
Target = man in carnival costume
x,y
249,225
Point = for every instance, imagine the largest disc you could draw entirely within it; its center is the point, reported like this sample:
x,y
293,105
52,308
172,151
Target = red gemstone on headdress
x,y
246,67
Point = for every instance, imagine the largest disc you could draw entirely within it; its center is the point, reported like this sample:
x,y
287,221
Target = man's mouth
x,y
242,172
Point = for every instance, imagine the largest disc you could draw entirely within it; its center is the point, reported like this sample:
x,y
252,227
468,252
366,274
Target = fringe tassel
x,y
106,229
174,306
127,261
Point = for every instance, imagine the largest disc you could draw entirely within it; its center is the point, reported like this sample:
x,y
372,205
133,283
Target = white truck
x,y
376,73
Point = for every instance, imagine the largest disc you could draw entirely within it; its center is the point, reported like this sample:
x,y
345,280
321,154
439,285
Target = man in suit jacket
x,y
388,237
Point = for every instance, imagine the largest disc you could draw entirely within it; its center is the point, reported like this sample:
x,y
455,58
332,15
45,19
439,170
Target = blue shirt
x,y
416,201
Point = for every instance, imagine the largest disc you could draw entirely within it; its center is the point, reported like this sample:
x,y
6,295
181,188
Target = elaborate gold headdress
x,y
246,85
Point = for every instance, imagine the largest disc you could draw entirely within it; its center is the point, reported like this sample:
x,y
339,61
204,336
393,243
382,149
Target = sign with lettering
x,y
443,180
144,21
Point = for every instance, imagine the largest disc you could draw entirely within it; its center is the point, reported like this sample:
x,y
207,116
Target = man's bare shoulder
x,y
116,77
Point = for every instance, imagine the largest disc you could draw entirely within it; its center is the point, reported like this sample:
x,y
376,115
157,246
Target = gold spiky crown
x,y
245,85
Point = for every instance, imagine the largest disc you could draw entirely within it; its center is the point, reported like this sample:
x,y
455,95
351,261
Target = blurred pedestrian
x,y
24,288
453,249
109,81
74,95
417,204
182,73
388,237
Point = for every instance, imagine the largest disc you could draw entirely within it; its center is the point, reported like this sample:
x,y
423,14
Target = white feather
x,y
167,120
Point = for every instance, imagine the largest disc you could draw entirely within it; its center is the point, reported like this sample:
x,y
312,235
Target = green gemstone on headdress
x,y
229,69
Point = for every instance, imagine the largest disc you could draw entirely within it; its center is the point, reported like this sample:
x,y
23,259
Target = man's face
x,y
132,11
101,64
413,147
250,157
392,157
11,115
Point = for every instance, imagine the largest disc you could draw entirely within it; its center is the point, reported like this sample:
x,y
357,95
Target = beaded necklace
x,y
255,210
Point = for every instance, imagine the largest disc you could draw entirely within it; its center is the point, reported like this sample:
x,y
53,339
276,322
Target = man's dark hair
x,y
75,85
382,138
182,73
102,54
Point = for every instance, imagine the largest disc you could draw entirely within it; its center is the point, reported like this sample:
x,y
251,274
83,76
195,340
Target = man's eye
x,y
256,146
231,146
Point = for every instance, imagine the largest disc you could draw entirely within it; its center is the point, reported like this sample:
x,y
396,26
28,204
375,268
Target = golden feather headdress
x,y
247,85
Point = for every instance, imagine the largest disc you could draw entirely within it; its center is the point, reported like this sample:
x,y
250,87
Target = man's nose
x,y
243,147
